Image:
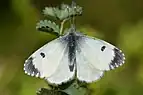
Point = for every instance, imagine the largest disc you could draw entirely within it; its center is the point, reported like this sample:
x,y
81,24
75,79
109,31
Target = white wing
x,y
85,70
94,56
50,62
100,54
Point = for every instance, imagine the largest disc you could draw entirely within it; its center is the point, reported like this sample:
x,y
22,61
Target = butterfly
x,y
73,55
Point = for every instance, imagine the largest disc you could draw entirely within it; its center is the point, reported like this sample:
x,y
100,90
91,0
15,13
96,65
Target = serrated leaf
x,y
49,11
75,89
63,12
44,91
48,26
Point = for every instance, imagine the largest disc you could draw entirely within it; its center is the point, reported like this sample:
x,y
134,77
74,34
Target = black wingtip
x,y
118,59
30,69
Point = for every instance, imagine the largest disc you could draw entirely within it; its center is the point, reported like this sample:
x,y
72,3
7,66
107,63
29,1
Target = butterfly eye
x,y
103,48
42,54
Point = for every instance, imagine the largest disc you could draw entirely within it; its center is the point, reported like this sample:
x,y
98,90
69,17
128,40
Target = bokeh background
x,y
119,22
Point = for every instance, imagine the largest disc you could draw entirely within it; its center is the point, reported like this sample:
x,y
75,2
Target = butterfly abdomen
x,y
71,50
71,40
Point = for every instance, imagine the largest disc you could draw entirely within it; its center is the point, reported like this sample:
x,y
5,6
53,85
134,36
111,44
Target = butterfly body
x,y
71,39
73,55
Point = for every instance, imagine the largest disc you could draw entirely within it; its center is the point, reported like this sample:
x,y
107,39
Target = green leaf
x,y
50,11
63,12
76,89
44,91
48,26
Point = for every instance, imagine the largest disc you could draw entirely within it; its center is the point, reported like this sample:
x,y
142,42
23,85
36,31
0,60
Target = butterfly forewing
x,y
100,54
50,62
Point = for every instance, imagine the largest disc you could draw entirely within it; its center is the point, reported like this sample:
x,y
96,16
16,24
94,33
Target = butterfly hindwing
x,y
63,72
85,70
50,62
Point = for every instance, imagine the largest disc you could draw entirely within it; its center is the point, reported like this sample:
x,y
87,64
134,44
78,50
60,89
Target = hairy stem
x,y
62,25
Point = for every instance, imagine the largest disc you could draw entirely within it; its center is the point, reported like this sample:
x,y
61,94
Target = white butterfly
x,y
73,55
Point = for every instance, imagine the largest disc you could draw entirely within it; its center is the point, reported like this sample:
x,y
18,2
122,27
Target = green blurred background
x,y
119,22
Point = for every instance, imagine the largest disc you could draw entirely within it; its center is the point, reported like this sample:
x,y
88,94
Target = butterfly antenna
x,y
72,21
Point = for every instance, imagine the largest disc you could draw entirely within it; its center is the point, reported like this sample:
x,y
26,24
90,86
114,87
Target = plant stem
x,y
62,25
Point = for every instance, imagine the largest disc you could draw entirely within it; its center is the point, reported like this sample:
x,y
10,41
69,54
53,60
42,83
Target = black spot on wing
x,y
42,54
30,68
118,59
103,48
